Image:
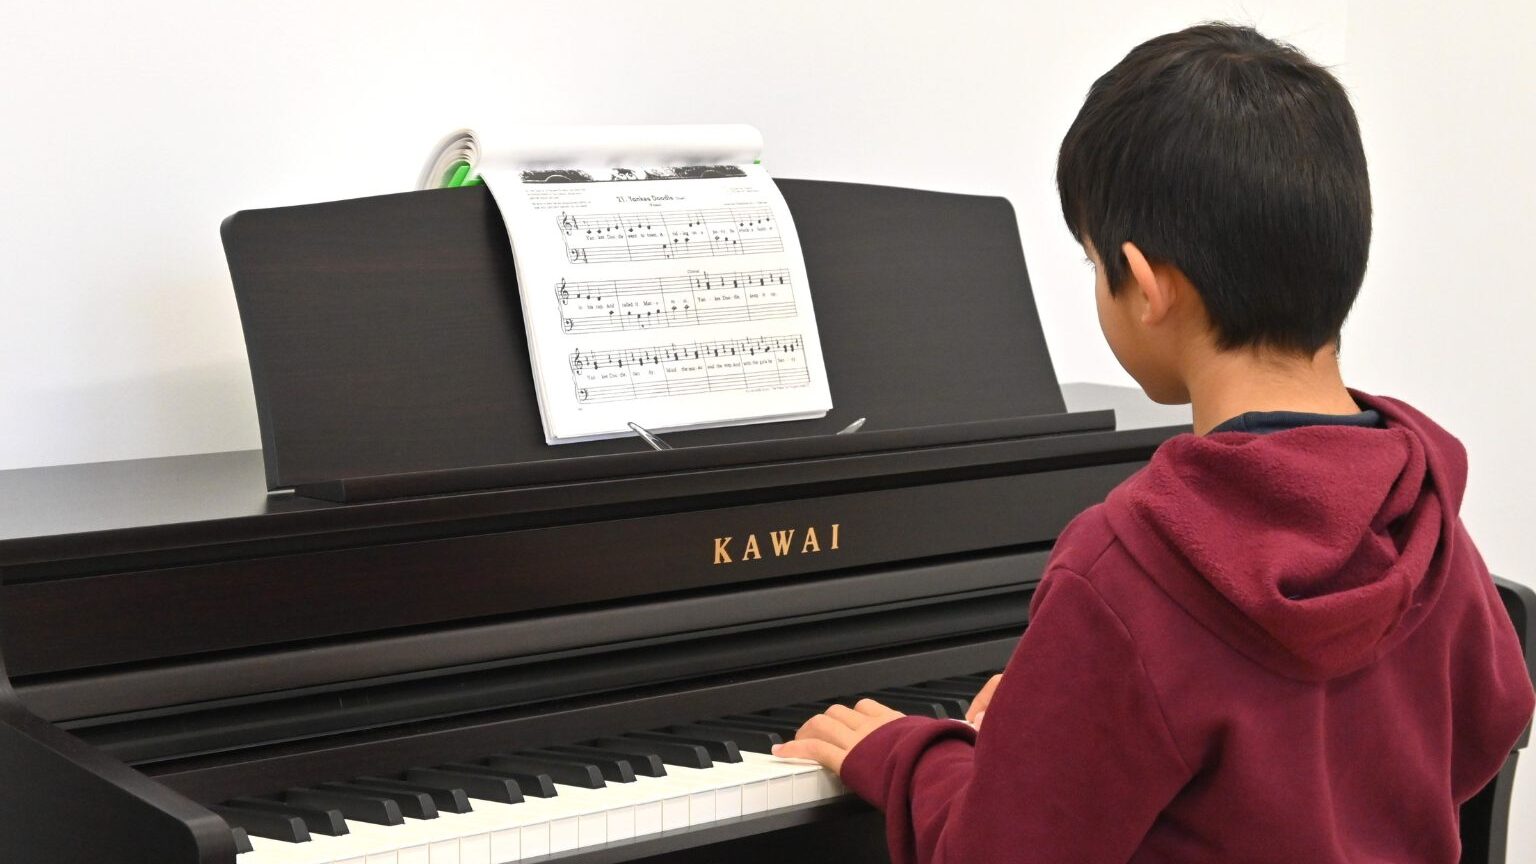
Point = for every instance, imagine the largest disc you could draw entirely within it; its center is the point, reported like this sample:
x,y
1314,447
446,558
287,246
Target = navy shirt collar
x,y
1265,422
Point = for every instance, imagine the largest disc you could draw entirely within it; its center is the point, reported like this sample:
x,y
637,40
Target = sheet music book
x,y
660,275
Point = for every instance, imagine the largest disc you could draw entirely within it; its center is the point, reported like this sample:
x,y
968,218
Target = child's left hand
x,y
828,737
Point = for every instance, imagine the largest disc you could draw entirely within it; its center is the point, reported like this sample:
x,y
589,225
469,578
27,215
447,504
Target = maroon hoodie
x,y
1260,648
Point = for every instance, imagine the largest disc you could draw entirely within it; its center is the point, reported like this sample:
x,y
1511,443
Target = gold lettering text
x,y
751,551
811,543
781,541
834,534
722,556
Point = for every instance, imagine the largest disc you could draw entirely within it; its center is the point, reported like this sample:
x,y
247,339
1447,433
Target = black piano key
x,y
448,798
263,823
754,740
361,808
783,728
319,820
975,682
953,690
810,708
614,769
539,784
719,749
684,755
416,805
792,716
242,841
644,764
477,784
953,706
583,776
920,707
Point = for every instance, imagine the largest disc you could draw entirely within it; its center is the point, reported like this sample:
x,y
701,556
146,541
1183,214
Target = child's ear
x,y
1157,292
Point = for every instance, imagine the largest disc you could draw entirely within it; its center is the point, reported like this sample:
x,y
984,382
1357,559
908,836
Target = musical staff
x,y
611,270
615,305
680,369
664,235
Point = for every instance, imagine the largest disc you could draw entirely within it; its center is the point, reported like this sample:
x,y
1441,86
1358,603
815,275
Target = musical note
x,y
744,230
607,306
683,295
750,364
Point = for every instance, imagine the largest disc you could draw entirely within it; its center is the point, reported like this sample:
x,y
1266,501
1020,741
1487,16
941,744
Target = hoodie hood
x,y
1313,550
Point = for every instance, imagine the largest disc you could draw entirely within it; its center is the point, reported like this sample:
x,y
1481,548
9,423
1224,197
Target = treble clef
x,y
578,362
562,293
567,223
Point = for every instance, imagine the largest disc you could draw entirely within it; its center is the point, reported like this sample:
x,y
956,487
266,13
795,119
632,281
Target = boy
x,y
1276,643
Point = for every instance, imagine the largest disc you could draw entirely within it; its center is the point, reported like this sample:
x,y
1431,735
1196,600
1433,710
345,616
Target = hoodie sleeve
x,y
1074,761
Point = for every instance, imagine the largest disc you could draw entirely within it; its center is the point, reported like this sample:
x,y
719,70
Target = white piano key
x,y
267,851
322,849
766,785
507,845
648,809
375,844
480,837
754,798
408,843
811,781
715,790
446,851
576,818
513,831
476,849
754,786
584,819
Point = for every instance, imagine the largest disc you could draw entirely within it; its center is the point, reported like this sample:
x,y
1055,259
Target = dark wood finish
x,y
251,601
193,640
705,456
385,334
64,800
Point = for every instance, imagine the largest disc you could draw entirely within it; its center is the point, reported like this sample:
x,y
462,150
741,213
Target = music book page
x,y
661,277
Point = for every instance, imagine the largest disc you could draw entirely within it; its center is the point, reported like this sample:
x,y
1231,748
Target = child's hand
x,y
982,700
828,737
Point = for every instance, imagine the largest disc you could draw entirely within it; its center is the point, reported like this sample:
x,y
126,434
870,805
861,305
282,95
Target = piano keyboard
x,y
557,799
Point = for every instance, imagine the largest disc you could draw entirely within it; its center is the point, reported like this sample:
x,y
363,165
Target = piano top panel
x,y
59,513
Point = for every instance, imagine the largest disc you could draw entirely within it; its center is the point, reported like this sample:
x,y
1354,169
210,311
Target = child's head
x,y
1223,173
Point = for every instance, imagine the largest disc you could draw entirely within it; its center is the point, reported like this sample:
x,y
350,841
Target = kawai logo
x,y
780,544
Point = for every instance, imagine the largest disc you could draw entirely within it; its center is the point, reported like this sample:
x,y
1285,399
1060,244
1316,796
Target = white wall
x,y
131,130
1446,94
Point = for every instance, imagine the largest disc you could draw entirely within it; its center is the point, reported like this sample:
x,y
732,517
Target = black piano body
x,y
439,585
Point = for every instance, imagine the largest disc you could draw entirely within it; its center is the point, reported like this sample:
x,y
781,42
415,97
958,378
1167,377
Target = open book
x,y
660,275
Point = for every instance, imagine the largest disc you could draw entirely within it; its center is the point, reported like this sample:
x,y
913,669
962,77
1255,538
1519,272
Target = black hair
x,y
1238,160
